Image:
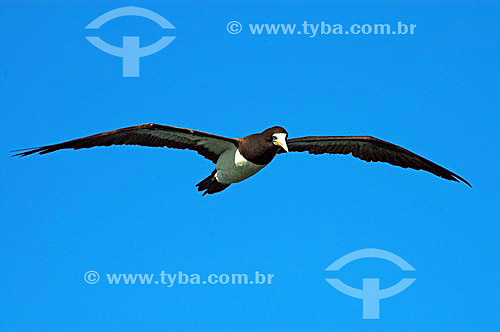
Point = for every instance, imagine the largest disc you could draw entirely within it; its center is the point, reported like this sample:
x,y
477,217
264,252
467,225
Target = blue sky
x,y
136,210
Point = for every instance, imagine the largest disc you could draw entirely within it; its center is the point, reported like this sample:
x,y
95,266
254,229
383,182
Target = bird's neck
x,y
260,154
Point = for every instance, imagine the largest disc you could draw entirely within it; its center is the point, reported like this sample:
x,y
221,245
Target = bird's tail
x,y
211,185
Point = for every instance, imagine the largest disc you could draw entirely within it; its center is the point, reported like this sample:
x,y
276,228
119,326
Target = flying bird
x,y
237,159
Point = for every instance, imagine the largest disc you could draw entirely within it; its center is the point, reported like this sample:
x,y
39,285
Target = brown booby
x,y
239,158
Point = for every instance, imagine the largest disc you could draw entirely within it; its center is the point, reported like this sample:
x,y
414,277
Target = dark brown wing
x,y
370,149
153,135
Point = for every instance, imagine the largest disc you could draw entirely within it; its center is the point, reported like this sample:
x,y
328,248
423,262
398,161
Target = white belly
x,y
233,167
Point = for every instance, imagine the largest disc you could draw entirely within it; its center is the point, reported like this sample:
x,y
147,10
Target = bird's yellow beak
x,y
281,141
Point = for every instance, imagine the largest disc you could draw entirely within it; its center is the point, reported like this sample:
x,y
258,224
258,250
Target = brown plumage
x,y
259,148
249,154
370,149
152,135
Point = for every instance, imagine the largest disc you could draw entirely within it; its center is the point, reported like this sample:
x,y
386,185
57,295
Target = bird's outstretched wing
x,y
153,135
370,149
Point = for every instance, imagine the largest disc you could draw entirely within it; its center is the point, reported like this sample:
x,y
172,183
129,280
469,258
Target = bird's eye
x,y
275,138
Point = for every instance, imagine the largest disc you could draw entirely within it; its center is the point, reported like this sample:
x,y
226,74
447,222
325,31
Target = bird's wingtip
x,y
461,179
24,152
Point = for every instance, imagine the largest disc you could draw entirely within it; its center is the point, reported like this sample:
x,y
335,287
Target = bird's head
x,y
277,136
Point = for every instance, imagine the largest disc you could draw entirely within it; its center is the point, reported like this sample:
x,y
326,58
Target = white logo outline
x,y
130,52
371,294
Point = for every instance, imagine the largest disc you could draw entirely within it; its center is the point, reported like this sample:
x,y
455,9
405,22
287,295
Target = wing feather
x,y
370,149
153,135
